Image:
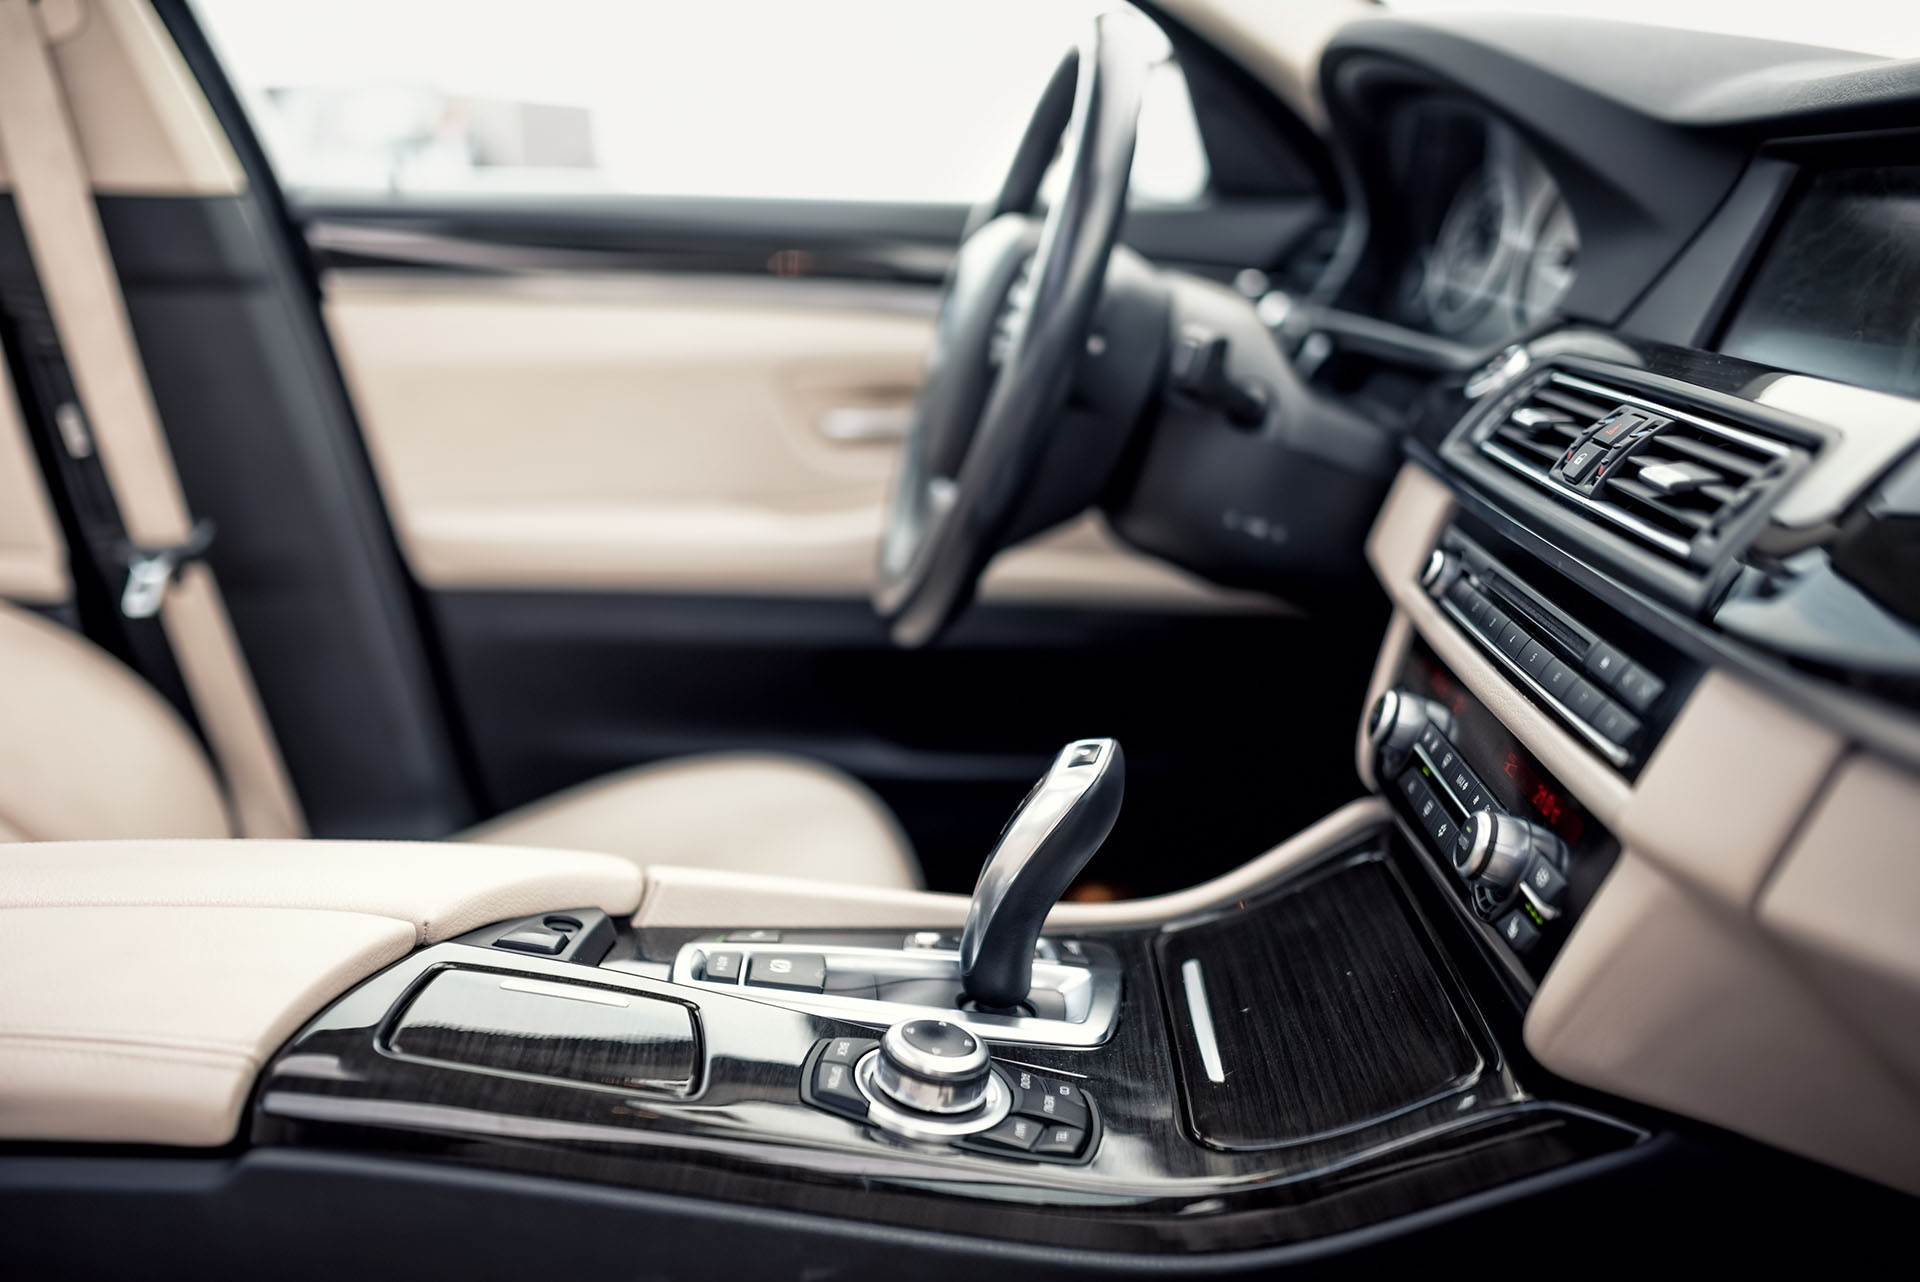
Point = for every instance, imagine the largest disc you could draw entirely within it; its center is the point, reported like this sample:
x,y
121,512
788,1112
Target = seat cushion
x,y
742,812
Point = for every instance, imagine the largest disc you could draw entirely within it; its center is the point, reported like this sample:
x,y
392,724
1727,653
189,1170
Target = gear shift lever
x,y
1048,840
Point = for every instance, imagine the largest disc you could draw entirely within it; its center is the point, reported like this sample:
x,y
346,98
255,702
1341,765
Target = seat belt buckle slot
x,y
151,570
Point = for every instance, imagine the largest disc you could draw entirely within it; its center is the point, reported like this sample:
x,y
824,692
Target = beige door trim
x,y
592,431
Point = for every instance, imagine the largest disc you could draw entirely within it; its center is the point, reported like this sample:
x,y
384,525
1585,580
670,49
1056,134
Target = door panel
x,y
652,433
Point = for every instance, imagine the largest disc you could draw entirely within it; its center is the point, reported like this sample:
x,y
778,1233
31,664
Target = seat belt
x,y
54,198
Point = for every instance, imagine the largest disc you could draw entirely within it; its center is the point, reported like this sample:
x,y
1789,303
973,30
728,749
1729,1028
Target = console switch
x,y
833,1085
798,972
1015,1134
1061,1141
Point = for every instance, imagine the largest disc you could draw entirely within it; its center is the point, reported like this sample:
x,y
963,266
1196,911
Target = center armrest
x,y
147,981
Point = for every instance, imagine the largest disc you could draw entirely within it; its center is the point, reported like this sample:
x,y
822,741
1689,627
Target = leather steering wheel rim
x,y
1013,322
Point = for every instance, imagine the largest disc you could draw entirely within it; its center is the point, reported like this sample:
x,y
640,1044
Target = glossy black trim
x,y
773,239
748,1138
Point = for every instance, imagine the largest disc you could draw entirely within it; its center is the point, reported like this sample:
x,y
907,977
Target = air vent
x,y
1670,477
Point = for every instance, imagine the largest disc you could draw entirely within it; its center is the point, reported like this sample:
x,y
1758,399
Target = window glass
x,y
886,100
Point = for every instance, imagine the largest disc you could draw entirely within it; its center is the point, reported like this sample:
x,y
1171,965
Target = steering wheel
x,y
1014,320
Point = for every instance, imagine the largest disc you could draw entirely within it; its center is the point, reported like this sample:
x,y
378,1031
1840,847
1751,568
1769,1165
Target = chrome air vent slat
x,y
1676,481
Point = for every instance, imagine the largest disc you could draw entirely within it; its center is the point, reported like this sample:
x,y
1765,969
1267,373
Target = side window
x,y
857,100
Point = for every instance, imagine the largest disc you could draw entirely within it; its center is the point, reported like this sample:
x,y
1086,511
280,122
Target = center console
x,y
1292,1052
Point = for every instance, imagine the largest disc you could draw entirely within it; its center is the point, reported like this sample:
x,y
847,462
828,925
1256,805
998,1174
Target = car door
x,y
631,303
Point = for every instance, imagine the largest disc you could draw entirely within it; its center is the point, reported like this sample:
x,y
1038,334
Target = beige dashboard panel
x,y
33,555
143,124
631,434
1846,899
1724,790
1664,996
239,942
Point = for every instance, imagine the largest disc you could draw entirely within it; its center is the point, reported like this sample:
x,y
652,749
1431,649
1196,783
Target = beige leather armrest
x,y
146,982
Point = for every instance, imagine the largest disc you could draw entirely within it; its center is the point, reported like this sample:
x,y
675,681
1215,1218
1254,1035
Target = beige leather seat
x,y
88,750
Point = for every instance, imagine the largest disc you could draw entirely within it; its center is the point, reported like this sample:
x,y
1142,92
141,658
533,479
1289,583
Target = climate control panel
x,y
1512,846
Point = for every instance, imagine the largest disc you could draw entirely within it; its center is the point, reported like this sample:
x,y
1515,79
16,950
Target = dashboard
x,y
1649,710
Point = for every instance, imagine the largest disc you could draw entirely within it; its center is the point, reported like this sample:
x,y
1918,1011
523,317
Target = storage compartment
x,y
1318,1011
543,1028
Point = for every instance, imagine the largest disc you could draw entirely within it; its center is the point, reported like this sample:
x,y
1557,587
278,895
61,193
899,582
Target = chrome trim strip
x,y
1617,755
1091,994
1195,985
1761,443
572,992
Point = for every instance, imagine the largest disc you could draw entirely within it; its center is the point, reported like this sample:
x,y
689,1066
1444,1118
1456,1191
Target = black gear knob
x,y
1048,840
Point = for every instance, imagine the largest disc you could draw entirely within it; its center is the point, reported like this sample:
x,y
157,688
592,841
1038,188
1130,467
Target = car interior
x,y
870,638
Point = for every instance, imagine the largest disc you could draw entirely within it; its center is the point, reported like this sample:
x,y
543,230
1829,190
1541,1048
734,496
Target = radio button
x,y
1535,658
1639,687
1514,640
1558,679
1583,699
1606,663
1615,723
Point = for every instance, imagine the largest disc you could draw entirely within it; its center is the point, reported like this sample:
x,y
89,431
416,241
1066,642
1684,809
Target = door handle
x,y
866,424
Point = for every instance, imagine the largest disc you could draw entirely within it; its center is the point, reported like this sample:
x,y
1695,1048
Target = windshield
x,y
1889,28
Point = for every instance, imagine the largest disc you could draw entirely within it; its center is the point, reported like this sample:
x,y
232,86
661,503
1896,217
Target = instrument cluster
x,y
1491,246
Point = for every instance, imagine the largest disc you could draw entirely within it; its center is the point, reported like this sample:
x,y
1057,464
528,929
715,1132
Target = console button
x,y
1015,1134
846,1050
1639,687
1432,740
1615,427
533,939
1446,759
1492,622
1583,460
1061,1141
800,972
1534,659
751,937
1428,808
1048,1099
1412,785
721,968
1606,663
833,1086
1514,640
1582,699
1615,723
1547,882
1519,931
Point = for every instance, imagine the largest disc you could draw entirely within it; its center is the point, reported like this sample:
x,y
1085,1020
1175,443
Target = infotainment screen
x,y
1837,294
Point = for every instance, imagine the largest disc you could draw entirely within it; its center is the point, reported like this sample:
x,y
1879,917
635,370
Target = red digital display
x,y
1558,814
